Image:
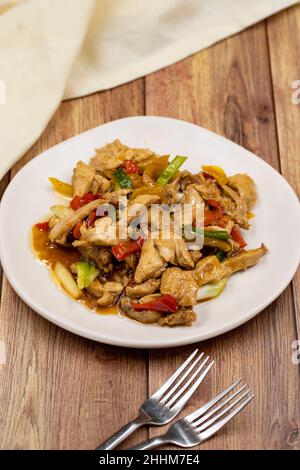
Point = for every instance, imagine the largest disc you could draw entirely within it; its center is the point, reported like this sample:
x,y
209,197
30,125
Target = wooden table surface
x,y
60,391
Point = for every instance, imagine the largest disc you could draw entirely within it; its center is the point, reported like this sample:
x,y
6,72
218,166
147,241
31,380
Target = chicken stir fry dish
x,y
156,273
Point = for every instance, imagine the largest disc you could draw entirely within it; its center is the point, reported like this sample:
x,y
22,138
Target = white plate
x,y
277,224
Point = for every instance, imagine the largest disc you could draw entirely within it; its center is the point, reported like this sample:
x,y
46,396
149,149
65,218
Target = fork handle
x,y
151,443
121,435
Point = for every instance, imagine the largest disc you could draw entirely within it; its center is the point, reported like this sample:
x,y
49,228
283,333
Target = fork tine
x,y
208,423
180,404
191,417
159,393
197,422
215,427
185,386
182,378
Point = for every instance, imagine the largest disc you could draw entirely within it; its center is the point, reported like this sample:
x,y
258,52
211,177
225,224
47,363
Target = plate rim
x,y
143,343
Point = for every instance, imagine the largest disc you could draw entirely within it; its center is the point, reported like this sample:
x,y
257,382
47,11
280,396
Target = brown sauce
x,y
49,254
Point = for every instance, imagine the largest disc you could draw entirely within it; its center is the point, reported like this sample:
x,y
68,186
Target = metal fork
x,y
204,422
168,401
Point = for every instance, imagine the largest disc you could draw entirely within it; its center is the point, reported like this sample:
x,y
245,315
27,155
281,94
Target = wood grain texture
x,y
3,184
61,391
227,88
284,37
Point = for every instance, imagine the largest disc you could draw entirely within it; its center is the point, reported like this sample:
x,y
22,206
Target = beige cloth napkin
x,y
56,49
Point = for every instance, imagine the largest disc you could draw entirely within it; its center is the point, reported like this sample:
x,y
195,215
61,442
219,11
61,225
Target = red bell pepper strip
x,y
166,303
130,167
82,201
43,226
91,219
123,249
76,230
236,235
75,203
88,197
211,217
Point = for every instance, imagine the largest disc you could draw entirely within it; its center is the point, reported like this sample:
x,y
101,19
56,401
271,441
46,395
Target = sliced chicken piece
x,y
245,186
144,316
244,260
230,199
83,177
239,211
210,269
174,251
136,208
191,196
195,255
183,317
95,288
180,284
106,293
53,221
171,191
187,178
161,219
102,162
113,287
145,200
139,290
207,270
103,233
139,204
114,197
140,155
207,189
100,184
193,200
108,157
60,231
106,299
151,264
113,148
216,243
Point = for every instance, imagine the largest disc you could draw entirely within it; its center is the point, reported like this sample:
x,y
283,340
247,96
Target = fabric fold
x,y
128,39
38,47
58,49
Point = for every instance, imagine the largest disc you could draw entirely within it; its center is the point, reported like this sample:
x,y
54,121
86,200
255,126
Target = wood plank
x,y
283,35
227,89
3,184
60,391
